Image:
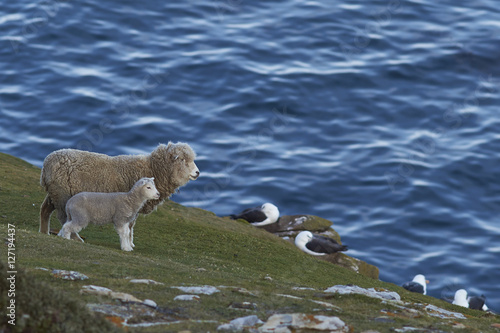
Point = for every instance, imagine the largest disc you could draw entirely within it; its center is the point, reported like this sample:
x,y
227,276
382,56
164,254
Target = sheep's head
x,y
178,159
148,188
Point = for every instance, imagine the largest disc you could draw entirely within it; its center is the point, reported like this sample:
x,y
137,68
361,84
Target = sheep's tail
x,y
47,206
42,179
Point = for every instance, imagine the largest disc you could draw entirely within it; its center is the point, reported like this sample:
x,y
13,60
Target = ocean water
x,y
380,116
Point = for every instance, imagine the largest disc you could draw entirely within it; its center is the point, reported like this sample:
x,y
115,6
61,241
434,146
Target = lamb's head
x,y
178,159
148,188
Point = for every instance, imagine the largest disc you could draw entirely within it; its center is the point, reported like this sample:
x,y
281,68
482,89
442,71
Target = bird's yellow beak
x,y
427,281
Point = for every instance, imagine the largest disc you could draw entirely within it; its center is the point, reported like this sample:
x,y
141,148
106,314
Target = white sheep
x,y
121,208
67,172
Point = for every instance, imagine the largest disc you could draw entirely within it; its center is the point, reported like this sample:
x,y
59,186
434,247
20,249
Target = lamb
x,y
67,172
121,208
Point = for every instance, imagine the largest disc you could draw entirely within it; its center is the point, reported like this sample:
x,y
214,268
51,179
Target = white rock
x,y
186,298
150,303
145,281
206,290
238,324
371,292
284,323
442,313
95,290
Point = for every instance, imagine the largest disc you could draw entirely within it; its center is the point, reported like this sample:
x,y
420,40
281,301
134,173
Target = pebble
x,y
150,303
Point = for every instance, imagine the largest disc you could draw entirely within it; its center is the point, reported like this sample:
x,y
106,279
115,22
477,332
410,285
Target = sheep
x,y
67,172
121,208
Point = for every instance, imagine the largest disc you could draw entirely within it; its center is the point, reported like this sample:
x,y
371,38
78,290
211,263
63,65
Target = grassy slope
x,y
187,246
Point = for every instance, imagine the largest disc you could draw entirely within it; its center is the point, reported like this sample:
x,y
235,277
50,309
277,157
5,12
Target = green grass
x,y
177,246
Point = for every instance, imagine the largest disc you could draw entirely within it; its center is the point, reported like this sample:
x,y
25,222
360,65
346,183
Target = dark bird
x,y
418,285
258,216
317,245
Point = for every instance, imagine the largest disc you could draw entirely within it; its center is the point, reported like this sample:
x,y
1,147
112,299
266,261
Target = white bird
x,y
317,245
417,285
473,302
260,215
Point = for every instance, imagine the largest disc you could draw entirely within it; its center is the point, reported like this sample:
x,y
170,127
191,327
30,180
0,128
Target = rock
x,y
42,268
150,303
95,290
135,314
206,290
417,329
68,275
291,322
239,324
442,313
371,292
187,298
145,281
102,291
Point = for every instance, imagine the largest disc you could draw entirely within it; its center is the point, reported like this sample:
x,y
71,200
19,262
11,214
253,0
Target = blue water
x,y
380,116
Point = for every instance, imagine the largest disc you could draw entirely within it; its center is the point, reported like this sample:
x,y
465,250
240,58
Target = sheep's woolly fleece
x,y
67,172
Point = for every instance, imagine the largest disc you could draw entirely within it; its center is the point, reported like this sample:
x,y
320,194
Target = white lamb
x,y
121,208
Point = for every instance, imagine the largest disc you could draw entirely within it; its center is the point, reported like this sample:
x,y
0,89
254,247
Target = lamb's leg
x,y
65,231
124,233
63,217
46,210
69,229
131,225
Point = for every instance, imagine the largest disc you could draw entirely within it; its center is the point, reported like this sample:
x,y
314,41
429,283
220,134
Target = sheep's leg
x,y
124,233
45,211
